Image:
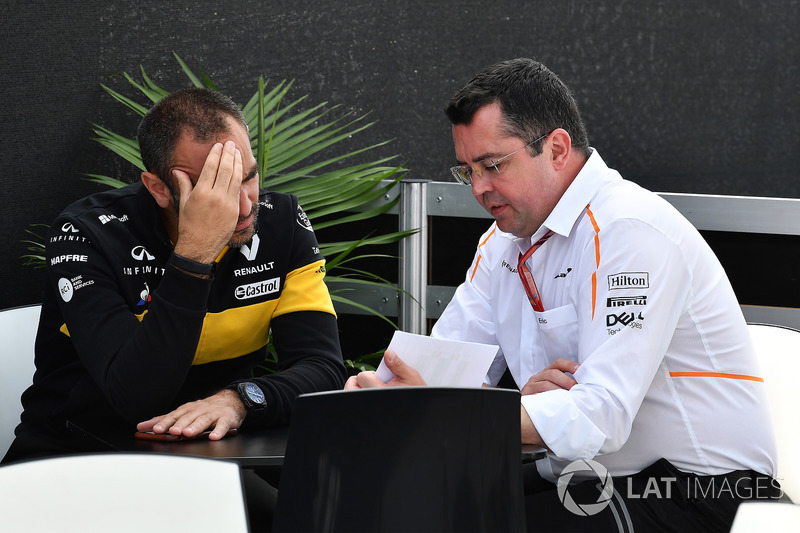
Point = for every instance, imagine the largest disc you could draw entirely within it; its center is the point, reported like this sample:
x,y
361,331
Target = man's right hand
x,y
404,375
220,412
553,377
209,210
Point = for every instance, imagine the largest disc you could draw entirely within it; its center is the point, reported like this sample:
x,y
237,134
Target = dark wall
x,y
679,96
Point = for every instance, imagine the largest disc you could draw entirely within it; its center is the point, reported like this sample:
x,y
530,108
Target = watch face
x,y
255,394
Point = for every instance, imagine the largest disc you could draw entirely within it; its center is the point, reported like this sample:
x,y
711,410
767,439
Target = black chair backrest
x,y
403,459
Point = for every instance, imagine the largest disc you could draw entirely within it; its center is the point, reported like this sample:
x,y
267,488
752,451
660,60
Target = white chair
x,y
778,350
758,517
122,492
17,335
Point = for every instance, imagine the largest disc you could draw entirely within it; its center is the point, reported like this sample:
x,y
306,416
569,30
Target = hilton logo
x,y
629,280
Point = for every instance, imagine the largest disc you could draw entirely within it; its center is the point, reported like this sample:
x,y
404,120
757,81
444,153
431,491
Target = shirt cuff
x,y
564,428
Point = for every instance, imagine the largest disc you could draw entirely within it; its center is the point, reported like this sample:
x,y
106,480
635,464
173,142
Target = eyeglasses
x,y
463,173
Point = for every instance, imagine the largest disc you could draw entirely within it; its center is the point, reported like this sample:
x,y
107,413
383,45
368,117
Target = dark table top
x,y
251,449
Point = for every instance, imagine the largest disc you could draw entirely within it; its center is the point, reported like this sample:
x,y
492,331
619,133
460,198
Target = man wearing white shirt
x,y
613,316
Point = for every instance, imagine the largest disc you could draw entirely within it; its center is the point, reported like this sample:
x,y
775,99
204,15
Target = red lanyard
x,y
526,276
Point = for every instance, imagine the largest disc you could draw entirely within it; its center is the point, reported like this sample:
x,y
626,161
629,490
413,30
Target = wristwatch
x,y
251,395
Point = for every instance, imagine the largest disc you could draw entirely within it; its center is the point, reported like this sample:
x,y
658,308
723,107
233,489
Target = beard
x,y
243,236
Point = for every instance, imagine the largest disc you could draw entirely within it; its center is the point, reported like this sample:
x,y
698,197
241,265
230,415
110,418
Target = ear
x,y
560,148
158,189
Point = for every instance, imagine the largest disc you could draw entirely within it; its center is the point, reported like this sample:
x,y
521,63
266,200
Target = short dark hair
x,y
533,100
202,112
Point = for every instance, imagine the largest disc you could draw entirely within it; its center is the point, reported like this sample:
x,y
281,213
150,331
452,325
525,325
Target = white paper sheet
x,y
441,363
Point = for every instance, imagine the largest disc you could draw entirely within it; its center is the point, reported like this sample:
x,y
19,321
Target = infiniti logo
x,y
140,253
69,228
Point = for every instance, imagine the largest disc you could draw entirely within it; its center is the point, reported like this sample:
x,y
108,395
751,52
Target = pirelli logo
x,y
626,300
629,280
260,288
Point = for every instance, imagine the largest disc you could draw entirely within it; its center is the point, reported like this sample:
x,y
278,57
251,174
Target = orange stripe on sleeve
x,y
597,256
475,270
715,375
488,237
478,261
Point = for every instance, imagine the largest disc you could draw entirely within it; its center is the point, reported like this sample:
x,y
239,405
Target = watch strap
x,y
191,266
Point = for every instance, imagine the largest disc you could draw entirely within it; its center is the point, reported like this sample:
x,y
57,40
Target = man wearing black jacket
x,y
160,297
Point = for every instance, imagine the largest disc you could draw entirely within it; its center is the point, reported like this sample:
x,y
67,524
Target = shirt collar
x,y
575,199
572,203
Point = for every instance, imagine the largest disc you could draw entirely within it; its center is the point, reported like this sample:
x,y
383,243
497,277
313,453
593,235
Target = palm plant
x,y
284,140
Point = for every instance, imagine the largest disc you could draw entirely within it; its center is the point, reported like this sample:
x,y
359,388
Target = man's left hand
x,y
555,376
222,412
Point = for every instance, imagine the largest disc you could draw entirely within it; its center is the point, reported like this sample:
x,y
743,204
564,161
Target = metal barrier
x,y
416,301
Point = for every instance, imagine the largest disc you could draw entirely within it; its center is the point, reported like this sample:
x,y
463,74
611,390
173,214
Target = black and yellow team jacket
x,y
124,336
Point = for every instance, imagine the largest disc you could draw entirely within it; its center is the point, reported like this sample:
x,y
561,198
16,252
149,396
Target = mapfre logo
x,y
259,288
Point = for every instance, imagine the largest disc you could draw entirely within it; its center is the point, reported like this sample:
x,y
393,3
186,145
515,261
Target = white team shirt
x,y
633,293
